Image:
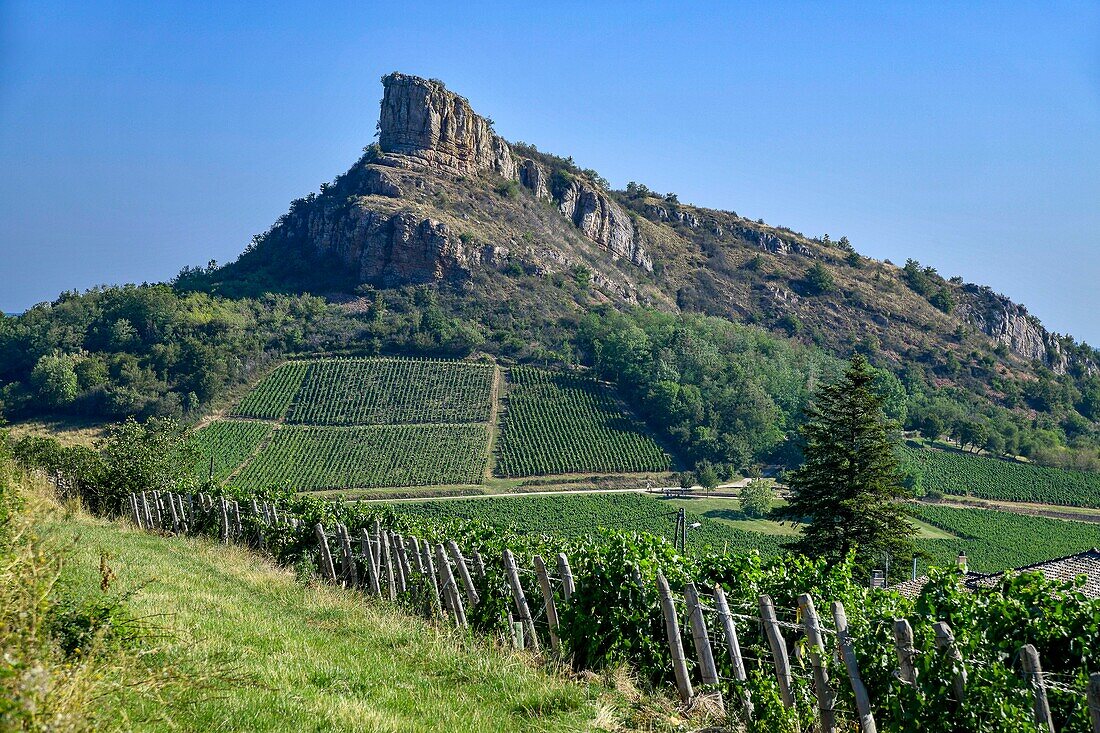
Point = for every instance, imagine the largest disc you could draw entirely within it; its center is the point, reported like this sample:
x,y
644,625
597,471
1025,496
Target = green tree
x,y
757,498
707,475
819,280
150,456
849,488
54,379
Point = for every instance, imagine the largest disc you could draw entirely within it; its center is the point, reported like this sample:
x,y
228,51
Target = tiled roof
x,y
1065,569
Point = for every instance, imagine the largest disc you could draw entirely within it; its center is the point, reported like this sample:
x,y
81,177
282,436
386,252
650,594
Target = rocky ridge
x,y
388,230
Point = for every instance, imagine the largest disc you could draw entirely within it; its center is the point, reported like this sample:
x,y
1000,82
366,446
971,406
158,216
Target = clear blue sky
x,y
135,140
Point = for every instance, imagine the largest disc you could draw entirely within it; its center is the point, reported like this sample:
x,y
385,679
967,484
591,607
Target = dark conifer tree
x,y
849,490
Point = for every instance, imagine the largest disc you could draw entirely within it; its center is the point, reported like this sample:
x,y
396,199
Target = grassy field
x,y
251,648
992,540
728,511
272,397
393,391
996,540
397,423
565,423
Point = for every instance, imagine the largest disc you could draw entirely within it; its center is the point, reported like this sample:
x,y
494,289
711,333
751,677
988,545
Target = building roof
x,y
1063,569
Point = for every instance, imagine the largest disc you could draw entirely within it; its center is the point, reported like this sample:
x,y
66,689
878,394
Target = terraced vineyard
x,y
308,458
229,443
565,423
393,391
271,398
581,515
991,478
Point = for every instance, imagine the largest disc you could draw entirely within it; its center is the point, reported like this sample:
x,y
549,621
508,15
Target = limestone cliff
x,y
422,125
421,122
1010,324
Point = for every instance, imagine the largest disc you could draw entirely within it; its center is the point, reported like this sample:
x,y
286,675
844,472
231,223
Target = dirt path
x,y
661,491
1073,514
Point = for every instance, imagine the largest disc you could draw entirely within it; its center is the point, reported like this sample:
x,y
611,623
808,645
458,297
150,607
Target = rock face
x,y
385,250
423,125
1010,324
602,221
532,176
420,119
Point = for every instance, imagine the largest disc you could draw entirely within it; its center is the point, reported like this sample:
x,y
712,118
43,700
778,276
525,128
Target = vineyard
x,y
307,458
952,472
564,423
393,391
271,398
228,442
995,541
790,643
582,515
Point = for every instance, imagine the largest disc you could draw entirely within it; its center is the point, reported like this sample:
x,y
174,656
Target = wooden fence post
x,y
185,519
1029,658
175,515
238,530
566,573
463,573
135,512
223,506
698,626
512,571
1094,701
903,640
403,569
156,510
548,597
387,564
325,556
436,609
479,566
370,565
863,701
675,644
447,578
778,647
733,645
826,700
418,559
945,642
347,561
395,556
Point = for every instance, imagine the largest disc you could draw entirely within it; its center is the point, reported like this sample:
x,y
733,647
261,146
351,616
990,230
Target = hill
x,y
446,240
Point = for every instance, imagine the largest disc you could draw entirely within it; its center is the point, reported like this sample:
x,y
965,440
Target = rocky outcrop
x,y
1010,324
423,123
603,221
532,176
384,249
377,181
